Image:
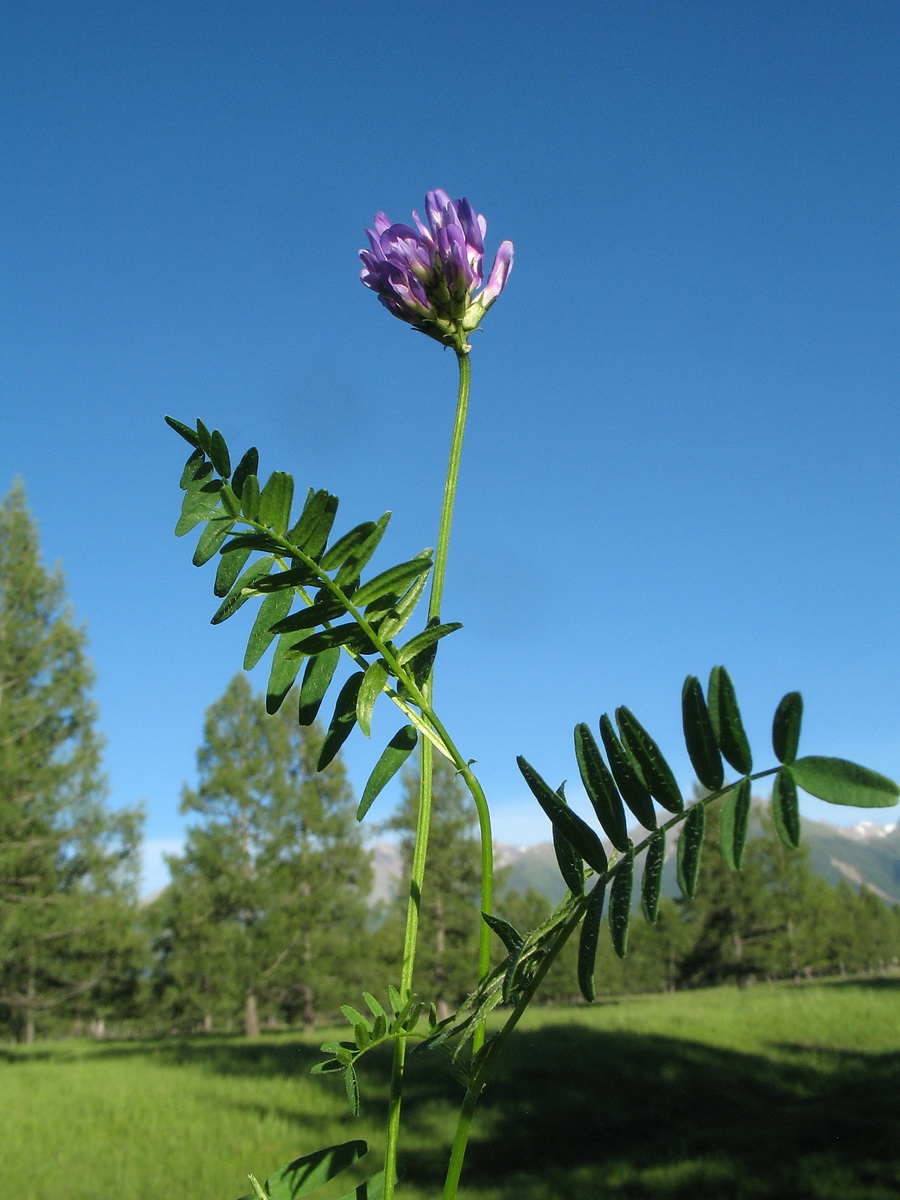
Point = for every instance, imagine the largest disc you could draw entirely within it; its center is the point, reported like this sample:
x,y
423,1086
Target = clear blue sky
x,y
684,444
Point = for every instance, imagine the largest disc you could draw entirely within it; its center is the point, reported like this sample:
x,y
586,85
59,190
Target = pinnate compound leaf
x,y
218,452
699,736
275,502
426,639
576,831
627,776
394,579
273,608
656,771
242,589
600,787
392,759
726,721
342,721
620,903
734,824
317,677
568,860
587,944
249,465
230,566
840,782
786,727
370,689
286,662
786,808
184,430
216,531
690,846
304,1175
508,934
651,883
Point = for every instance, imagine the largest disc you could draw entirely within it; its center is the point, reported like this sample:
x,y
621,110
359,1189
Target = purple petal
x,y
499,274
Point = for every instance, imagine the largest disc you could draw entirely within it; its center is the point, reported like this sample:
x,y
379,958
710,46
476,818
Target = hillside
x,y
866,854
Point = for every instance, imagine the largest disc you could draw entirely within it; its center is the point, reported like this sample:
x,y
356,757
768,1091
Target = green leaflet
x,y
786,809
286,663
250,497
390,613
840,782
342,721
242,590
370,689
377,1008
425,639
218,452
348,634
216,531
587,944
582,837
726,721
350,571
351,1083
394,579
354,1017
699,736
304,1175
185,430
317,677
568,860
199,501
648,756
195,462
203,435
600,787
324,609
651,883
370,1189
508,934
293,577
341,550
275,502
392,759
252,541
620,903
248,465
273,608
786,727
690,845
734,824
311,532
231,563
632,787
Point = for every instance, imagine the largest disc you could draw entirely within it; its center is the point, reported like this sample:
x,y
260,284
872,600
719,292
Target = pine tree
x,y
67,865
268,901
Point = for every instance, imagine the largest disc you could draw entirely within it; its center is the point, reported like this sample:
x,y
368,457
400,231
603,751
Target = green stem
x,y
420,850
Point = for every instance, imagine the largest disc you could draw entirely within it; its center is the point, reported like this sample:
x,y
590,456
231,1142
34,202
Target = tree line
x,y
268,918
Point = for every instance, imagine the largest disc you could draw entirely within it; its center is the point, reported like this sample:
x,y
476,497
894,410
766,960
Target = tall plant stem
x,y
423,820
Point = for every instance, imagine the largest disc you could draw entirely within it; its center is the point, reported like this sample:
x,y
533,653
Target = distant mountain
x,y
865,854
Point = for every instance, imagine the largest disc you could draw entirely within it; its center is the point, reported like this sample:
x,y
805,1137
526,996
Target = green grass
x,y
776,1091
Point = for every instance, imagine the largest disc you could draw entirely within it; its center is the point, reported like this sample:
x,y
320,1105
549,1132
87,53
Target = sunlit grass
x,y
776,1090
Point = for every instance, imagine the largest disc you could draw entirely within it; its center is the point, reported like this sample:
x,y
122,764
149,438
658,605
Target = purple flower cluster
x,y
428,276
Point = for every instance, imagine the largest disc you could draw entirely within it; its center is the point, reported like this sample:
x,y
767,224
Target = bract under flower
x,y
428,276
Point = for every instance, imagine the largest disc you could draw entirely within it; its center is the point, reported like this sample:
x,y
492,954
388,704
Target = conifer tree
x,y
67,865
269,900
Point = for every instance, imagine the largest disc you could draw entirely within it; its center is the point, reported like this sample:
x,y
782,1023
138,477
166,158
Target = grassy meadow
x,y
775,1091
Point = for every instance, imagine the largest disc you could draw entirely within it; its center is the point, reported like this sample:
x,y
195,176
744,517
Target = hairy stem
x,y
417,873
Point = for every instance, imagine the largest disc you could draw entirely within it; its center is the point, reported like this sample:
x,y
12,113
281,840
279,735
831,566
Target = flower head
x,y
428,275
